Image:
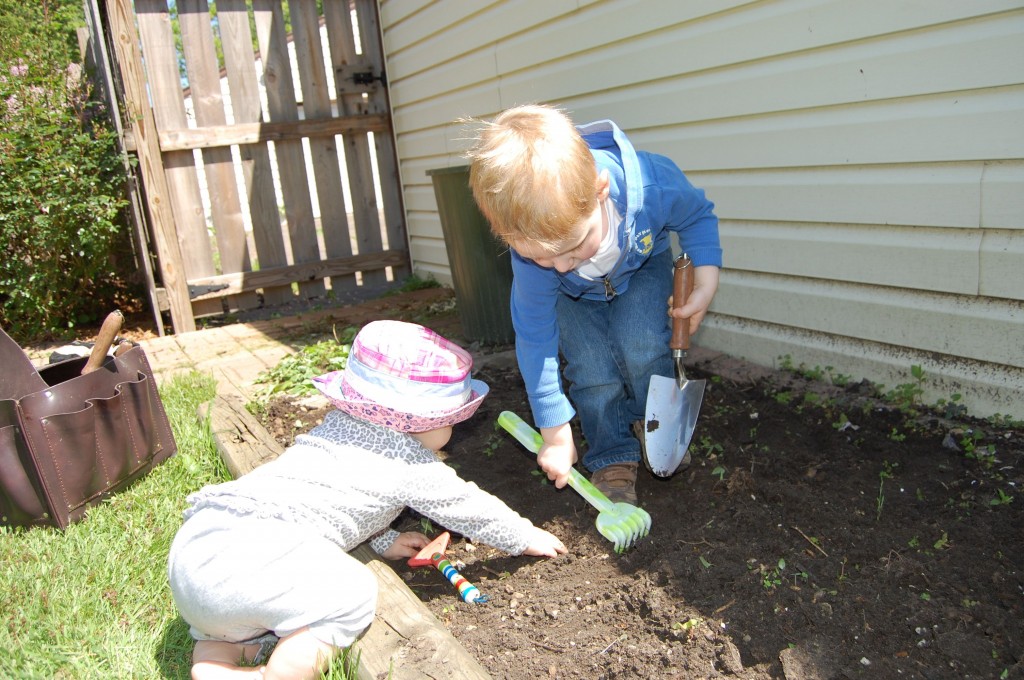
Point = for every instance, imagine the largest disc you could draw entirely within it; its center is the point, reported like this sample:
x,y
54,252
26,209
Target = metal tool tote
x,y
673,403
621,523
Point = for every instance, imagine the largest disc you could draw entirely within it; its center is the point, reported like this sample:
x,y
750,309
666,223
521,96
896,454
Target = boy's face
x,y
581,245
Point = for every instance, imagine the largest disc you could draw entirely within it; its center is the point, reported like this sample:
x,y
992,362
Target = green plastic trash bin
x,y
481,265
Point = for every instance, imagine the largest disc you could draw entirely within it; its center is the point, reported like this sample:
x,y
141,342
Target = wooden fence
x,y
245,156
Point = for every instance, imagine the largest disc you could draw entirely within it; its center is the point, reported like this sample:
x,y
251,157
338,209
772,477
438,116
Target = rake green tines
x,y
621,523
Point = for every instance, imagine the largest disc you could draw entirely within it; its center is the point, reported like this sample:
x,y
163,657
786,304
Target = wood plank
x,y
160,57
316,103
244,443
344,57
223,285
291,160
401,619
394,233
313,271
218,165
98,58
141,122
254,155
210,136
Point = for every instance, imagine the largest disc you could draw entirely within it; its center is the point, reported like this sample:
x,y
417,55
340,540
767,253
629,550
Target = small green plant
x,y
1002,498
772,577
906,396
710,448
294,373
784,398
426,526
943,542
688,625
719,472
494,440
1007,422
841,379
842,577
811,399
415,282
951,408
842,422
886,473
897,436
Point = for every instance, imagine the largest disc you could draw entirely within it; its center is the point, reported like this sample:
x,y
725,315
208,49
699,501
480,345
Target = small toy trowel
x,y
433,555
673,403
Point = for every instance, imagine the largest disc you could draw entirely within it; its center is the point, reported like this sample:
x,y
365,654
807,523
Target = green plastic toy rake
x,y
621,523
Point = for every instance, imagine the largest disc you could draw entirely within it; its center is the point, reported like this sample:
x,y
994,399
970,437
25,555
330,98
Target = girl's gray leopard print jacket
x,y
351,479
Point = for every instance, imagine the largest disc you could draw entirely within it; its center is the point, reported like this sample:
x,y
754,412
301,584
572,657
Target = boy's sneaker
x,y
617,482
638,432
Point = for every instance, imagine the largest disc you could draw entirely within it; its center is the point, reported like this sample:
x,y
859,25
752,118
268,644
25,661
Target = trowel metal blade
x,y
672,411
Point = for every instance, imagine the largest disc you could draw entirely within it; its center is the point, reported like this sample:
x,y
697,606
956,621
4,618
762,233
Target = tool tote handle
x,y
682,286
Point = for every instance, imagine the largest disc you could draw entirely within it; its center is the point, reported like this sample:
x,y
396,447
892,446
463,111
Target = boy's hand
x,y
705,285
544,544
407,544
558,454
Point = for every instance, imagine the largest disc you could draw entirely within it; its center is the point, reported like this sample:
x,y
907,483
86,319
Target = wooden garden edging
x,y
405,641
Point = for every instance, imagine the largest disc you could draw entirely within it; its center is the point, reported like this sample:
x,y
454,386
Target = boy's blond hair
x,y
533,176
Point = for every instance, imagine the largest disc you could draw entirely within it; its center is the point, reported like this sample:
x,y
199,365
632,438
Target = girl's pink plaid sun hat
x,y
405,377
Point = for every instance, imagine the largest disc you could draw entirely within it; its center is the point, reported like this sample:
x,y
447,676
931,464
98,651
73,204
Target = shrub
x,y
65,236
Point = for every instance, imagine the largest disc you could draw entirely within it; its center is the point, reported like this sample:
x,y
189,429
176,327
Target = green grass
x,y
93,601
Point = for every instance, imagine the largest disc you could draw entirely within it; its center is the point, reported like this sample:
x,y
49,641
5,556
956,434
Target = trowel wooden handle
x,y
108,331
682,286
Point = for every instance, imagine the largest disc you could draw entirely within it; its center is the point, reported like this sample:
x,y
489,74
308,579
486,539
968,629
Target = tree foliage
x,y
66,241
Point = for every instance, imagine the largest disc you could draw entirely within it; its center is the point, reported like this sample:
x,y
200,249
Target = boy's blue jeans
x,y
612,349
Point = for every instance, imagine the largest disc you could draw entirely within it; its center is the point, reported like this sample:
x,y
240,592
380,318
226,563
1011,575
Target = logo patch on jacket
x,y
645,242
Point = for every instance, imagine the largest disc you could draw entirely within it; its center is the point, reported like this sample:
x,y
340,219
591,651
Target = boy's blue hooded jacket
x,y
654,197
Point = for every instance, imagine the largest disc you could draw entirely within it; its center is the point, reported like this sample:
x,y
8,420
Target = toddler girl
x,y
264,557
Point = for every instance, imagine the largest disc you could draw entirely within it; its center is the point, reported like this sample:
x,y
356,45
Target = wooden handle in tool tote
x,y
108,331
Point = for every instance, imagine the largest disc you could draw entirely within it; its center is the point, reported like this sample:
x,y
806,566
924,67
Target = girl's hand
x,y
544,544
406,545
705,285
558,454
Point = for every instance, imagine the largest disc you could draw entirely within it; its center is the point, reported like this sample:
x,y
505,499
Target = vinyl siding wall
x,y
866,159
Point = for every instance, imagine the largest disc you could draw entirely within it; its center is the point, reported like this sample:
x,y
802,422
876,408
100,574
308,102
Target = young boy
x,y
588,220
265,556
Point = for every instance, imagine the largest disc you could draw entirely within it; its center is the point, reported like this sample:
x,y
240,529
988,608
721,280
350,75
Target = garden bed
x,y
820,533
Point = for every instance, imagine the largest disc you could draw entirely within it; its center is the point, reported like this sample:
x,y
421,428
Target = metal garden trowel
x,y
673,403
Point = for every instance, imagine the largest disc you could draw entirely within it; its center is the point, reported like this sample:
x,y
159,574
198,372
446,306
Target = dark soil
x,y
820,533
794,547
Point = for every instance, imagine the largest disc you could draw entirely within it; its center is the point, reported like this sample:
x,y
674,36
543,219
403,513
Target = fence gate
x,y
263,137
